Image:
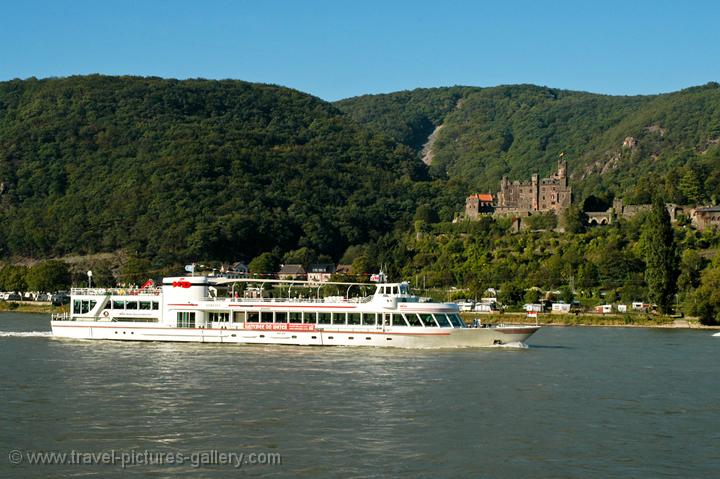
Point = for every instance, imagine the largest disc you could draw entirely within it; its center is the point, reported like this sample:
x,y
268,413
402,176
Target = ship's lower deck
x,y
387,337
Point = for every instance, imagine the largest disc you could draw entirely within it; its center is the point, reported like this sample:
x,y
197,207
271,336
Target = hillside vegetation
x,y
176,170
521,129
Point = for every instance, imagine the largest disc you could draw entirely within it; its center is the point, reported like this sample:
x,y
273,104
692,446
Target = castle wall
x,y
548,194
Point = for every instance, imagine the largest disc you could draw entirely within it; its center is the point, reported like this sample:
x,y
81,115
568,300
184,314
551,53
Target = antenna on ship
x,y
190,268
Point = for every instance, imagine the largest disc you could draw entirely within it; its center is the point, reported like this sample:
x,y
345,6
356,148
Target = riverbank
x,y
614,320
31,307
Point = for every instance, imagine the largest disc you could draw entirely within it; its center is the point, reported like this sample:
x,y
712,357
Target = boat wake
x,y
513,345
25,334
717,335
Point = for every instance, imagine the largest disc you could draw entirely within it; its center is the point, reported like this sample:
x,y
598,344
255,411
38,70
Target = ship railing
x,y
116,291
334,299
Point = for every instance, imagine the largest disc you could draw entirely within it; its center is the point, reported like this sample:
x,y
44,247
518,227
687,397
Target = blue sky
x,y
337,49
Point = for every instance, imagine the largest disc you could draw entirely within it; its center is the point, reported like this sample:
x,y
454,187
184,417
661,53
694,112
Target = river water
x,y
578,402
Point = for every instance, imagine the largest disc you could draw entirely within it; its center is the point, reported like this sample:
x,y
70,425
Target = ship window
x,y
131,305
281,317
185,319
413,320
219,317
310,318
456,321
253,317
266,317
397,320
83,306
324,318
338,318
353,318
155,305
118,305
368,319
428,320
295,317
145,305
442,320
238,316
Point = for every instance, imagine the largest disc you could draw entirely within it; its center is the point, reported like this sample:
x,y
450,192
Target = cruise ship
x,y
252,311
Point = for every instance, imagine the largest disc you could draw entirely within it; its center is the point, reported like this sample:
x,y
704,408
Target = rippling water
x,y
579,402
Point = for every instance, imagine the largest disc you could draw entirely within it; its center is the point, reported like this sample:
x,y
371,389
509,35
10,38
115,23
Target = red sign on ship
x,y
280,326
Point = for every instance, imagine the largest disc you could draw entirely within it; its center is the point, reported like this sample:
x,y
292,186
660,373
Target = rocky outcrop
x,y
427,152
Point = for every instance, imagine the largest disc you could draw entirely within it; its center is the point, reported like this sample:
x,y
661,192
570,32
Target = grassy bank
x,y
30,307
629,320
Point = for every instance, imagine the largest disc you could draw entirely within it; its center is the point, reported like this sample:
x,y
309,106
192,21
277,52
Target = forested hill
x,y
196,169
519,130
182,170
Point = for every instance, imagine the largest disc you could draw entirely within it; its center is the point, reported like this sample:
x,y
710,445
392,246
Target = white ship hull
x,y
406,338
190,310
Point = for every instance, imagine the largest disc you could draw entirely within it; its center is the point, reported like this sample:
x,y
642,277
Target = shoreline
x,y
30,307
591,320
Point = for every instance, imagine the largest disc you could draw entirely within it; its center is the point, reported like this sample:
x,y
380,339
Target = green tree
x,y
691,187
103,276
542,221
303,256
361,267
264,264
351,253
658,244
574,220
532,295
566,294
48,276
510,294
12,278
691,265
588,275
136,271
426,214
705,301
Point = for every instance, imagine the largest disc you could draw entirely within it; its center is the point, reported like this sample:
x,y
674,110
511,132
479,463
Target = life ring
x,y
106,313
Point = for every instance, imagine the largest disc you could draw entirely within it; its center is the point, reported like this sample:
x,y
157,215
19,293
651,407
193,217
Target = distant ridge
x,y
520,129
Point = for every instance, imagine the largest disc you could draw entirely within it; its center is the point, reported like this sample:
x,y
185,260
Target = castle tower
x,y
535,193
561,174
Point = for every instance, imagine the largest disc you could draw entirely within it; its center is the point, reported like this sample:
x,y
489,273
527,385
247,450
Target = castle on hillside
x,y
536,195
523,198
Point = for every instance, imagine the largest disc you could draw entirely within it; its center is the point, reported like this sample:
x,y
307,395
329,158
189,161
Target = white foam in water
x,y
25,334
513,345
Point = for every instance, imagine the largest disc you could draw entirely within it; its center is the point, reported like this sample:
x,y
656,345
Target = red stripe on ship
x,y
286,306
325,331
